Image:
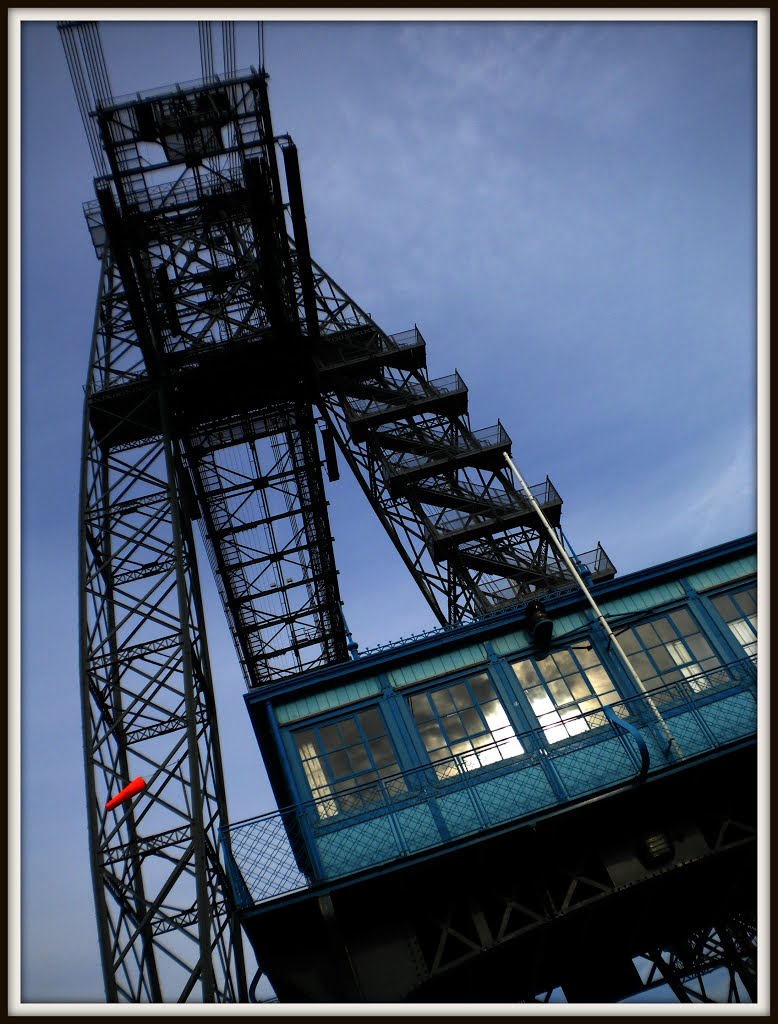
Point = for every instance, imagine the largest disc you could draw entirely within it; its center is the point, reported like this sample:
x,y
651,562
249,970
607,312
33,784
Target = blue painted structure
x,y
420,806
467,815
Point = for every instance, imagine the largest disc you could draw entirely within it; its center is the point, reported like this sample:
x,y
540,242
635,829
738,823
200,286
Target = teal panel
x,y
731,718
644,600
688,733
514,643
440,665
327,700
358,846
593,767
724,573
515,794
417,828
460,813
659,745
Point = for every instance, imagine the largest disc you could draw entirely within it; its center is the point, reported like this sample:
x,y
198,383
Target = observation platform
x,y
433,794
369,407
412,458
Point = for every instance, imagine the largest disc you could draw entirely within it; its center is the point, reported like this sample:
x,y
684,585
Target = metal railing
x,y
341,348
490,506
195,85
436,451
388,818
408,394
598,563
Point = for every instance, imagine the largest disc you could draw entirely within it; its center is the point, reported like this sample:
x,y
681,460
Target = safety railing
x,y
432,452
487,785
343,348
181,89
597,562
488,507
408,394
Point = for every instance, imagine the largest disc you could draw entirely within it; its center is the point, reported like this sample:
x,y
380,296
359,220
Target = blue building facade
x,y
447,739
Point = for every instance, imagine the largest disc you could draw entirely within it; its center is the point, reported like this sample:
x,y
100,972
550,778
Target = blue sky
x,y
567,211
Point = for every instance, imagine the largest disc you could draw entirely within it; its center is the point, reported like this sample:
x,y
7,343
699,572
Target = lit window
x,y
567,691
738,610
464,726
350,764
672,649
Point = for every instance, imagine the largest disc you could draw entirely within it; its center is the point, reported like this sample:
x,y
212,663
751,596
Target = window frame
x,y
614,671
728,590
679,702
303,785
446,682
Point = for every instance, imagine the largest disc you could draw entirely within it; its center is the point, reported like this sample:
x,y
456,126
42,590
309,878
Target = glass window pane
x,y
578,687
629,642
455,730
576,726
461,747
431,735
443,702
679,653
662,659
360,760
372,723
742,631
599,679
482,688
555,733
540,700
510,747
725,607
699,646
665,630
550,719
482,721
349,730
648,635
344,785
471,720
421,708
642,666
684,622
547,669
382,752
339,764
316,776
746,601
586,657
495,716
564,662
460,696
306,740
592,704
560,693
330,737
525,673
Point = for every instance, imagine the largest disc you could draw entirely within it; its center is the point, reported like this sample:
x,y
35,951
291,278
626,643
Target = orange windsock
x,y
135,787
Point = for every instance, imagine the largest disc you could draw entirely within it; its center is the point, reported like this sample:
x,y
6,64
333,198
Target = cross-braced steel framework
x,y
148,710
219,344
223,357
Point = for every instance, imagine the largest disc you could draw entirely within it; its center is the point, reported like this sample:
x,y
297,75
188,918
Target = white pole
x,y
603,622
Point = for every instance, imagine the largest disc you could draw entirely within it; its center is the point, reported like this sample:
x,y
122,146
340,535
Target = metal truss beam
x,y
148,709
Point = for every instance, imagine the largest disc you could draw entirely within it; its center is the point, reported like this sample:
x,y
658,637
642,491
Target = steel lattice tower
x,y
223,358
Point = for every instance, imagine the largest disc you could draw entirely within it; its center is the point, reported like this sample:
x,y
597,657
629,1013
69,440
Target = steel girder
x,y
166,928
